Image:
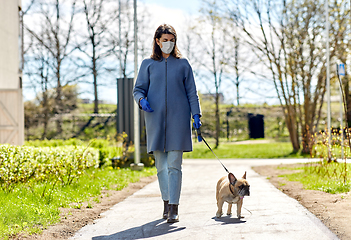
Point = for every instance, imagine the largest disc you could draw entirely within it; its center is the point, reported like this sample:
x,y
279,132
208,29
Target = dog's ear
x,y
232,178
244,177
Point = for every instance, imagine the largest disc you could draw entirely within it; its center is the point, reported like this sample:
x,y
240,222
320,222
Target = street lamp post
x,y
137,165
328,77
340,70
120,60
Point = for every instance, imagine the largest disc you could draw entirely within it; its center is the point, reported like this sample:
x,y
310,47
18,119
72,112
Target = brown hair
x,y
156,51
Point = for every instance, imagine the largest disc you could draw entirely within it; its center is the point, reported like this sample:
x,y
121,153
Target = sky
x,y
186,6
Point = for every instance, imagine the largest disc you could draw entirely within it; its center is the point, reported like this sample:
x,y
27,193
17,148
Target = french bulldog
x,y
231,190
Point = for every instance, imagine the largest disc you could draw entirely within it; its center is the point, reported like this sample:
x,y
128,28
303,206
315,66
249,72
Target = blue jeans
x,y
169,174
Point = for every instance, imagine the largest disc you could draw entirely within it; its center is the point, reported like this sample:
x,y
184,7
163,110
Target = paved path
x,y
269,214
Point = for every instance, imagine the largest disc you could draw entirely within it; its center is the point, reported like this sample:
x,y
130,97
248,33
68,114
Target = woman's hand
x,y
197,123
145,105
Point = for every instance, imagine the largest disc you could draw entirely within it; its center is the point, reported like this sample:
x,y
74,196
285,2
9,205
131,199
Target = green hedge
x,y
107,148
22,164
55,143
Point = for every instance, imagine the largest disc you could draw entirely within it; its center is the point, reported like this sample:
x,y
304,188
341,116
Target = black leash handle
x,y
199,136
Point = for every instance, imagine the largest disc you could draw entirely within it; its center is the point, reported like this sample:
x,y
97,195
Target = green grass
x,y
25,210
257,150
103,108
326,178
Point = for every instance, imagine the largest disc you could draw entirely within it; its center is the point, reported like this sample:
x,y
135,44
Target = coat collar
x,y
169,58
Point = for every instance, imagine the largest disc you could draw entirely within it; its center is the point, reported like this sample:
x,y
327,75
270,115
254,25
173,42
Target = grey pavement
x,y
268,213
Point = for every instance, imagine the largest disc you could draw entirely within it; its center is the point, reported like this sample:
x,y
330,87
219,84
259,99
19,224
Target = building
x,y
11,100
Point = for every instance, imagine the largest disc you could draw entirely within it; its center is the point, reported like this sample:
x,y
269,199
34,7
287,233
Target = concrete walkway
x,y
268,213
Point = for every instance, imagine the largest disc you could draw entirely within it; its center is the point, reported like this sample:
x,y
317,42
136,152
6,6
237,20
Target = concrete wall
x,y
11,100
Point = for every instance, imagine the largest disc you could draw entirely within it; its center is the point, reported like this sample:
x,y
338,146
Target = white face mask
x,y
167,47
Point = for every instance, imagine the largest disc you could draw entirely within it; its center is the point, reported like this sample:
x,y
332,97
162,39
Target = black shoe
x,y
165,209
173,214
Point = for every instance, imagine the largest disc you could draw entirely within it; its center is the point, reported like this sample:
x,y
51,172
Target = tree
x,y
287,37
99,16
145,36
42,109
53,30
121,38
211,52
238,62
30,116
38,71
236,67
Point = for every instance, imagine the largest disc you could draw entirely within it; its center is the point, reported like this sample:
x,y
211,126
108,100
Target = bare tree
x,y
211,52
99,16
54,32
236,67
121,37
287,38
239,60
145,36
44,76
38,72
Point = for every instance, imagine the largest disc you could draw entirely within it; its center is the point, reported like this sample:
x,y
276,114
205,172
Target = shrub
x,y
56,164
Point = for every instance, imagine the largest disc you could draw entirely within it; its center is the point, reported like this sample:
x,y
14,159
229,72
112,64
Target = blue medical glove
x,y
199,136
145,105
197,122
197,125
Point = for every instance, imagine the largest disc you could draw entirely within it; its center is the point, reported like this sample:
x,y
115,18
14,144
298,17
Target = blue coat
x,y
169,86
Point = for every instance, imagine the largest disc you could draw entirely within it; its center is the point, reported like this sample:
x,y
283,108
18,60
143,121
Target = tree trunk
x,y
58,99
217,119
236,67
46,112
237,93
305,126
306,139
96,99
291,124
58,74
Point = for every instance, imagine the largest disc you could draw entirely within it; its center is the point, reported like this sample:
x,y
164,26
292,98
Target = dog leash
x,y
198,131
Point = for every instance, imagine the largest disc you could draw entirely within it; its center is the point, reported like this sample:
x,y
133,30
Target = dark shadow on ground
x,y
228,220
151,229
297,154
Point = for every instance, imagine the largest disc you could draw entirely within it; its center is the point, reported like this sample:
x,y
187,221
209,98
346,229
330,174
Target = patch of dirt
x,y
334,210
73,219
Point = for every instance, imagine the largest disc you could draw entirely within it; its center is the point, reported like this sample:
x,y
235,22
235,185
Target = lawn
x,y
253,150
25,209
322,176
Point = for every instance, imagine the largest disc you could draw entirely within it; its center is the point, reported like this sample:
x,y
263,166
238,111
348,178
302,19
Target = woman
x,y
165,89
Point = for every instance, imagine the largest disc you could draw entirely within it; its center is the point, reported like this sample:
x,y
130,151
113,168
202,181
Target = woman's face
x,y
165,38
